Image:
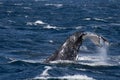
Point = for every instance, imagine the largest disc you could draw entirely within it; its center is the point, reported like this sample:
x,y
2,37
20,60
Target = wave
x,y
94,61
53,27
45,25
38,22
45,72
55,5
115,24
28,61
78,27
96,19
45,75
62,61
18,4
48,26
27,8
69,77
87,19
9,11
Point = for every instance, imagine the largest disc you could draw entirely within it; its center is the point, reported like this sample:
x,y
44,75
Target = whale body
x,y
70,48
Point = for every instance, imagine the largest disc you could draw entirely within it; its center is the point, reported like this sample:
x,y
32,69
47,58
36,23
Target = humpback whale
x,y
70,48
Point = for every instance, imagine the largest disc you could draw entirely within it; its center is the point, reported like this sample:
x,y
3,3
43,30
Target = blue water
x,y
31,30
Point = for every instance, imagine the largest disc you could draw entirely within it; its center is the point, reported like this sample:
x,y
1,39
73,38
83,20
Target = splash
x,y
68,77
102,52
45,72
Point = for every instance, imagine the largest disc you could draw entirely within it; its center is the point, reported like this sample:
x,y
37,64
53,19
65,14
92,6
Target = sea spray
x,y
102,52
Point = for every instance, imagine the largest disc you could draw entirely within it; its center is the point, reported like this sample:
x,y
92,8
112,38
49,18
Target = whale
x,y
70,48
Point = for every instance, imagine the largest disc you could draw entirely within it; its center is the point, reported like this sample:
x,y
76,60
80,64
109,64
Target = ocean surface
x,y
31,30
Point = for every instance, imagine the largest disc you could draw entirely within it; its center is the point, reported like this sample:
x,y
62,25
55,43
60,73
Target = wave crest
x,y
69,77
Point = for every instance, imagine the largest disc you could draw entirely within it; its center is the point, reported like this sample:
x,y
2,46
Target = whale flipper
x,y
96,39
70,48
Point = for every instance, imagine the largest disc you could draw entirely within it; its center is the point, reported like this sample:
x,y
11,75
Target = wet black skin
x,y
69,50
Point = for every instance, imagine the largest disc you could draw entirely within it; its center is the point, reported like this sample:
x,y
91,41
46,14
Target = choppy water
x,y
31,30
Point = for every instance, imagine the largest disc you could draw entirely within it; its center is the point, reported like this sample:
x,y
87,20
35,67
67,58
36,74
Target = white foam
x,y
30,61
62,61
53,27
26,7
33,61
69,77
45,72
87,19
79,27
9,11
97,64
50,27
45,25
11,21
88,58
29,23
98,19
55,5
115,24
51,41
26,16
38,22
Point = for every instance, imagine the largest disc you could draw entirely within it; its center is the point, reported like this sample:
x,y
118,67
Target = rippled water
x,y
30,31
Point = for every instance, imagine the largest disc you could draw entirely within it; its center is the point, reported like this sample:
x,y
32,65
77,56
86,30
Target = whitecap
x,y
78,27
45,72
50,27
53,27
87,19
92,61
26,16
98,19
38,22
29,23
11,21
9,11
51,41
115,24
45,25
29,61
33,61
26,8
88,58
97,64
68,77
56,5
62,61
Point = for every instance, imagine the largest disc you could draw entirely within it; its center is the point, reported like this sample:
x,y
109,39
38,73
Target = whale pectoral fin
x,y
96,39
105,41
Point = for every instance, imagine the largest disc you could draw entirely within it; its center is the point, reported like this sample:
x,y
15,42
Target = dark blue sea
x,y
32,30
